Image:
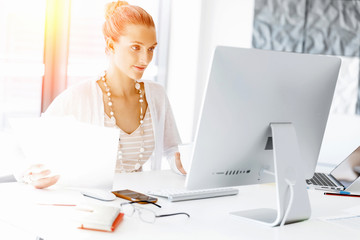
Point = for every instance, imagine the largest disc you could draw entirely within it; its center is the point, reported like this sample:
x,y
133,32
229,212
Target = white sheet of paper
x,y
346,220
84,155
350,218
54,196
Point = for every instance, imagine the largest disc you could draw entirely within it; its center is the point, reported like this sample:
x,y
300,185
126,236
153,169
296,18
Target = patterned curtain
x,y
330,27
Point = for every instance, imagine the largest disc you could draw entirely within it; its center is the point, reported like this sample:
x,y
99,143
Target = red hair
x,y
120,14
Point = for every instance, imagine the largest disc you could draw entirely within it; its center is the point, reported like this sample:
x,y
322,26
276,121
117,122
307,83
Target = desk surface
x,y
210,218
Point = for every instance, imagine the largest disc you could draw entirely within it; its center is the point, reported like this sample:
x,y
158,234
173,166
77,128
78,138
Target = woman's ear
x,y
110,45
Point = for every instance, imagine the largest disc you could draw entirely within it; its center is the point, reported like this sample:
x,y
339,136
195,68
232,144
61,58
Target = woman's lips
x,y
138,68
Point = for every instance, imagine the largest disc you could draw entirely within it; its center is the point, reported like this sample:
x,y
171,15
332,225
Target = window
x,y
21,57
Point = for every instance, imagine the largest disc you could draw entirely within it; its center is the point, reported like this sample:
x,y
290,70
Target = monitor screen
x,y
246,91
349,169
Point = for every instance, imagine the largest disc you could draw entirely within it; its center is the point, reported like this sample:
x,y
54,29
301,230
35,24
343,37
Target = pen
x,y
341,194
57,204
344,192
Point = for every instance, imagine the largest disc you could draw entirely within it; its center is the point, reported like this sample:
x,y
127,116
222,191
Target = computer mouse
x,y
99,194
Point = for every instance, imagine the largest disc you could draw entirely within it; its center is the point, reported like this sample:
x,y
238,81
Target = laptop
x,y
84,155
344,177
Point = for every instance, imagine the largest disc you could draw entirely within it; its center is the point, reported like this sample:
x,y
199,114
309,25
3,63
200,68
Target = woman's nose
x,y
145,58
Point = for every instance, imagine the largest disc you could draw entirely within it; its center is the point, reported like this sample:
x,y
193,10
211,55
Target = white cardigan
x,y
84,101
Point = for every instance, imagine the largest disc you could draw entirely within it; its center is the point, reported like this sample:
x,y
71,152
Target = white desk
x,y
210,218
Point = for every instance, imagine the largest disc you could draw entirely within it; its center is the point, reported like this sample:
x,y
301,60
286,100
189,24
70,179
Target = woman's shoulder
x,y
83,86
154,87
74,97
80,89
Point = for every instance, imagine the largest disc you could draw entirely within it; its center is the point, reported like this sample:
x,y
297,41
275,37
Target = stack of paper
x,y
84,155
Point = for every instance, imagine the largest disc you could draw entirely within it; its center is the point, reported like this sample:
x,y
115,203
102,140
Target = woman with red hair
x,y
120,99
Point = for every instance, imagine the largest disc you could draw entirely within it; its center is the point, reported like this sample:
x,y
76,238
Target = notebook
x,y
84,155
344,177
98,217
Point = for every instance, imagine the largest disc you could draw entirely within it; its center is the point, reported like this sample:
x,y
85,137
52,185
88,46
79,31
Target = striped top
x,y
135,148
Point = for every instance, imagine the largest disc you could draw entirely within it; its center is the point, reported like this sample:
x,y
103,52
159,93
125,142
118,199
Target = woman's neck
x,y
120,84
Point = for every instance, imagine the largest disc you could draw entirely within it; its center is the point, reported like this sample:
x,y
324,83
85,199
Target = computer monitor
x,y
248,91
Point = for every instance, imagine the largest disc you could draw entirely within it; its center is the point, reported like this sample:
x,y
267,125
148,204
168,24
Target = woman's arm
x,y
37,174
172,140
178,163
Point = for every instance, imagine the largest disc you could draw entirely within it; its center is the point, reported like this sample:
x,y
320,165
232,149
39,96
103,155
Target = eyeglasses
x,y
145,214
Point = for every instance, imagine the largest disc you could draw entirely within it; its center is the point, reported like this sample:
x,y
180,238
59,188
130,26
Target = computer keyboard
x,y
175,195
320,179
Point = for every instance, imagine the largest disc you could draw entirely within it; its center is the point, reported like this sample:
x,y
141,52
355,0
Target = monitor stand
x,y
292,198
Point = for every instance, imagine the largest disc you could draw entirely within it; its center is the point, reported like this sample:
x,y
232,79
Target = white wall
x,y
183,61
197,26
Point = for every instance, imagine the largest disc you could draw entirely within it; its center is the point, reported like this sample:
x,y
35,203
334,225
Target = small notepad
x,y
98,217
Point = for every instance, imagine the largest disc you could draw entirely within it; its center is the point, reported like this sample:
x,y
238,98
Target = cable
x,y
291,187
263,170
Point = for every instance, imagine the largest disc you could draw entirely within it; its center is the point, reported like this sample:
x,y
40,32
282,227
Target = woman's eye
x,y
151,49
135,47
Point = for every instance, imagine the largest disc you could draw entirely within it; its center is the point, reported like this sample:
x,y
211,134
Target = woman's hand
x,y
36,175
178,163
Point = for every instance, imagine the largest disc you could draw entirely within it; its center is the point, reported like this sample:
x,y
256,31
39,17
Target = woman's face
x,y
134,50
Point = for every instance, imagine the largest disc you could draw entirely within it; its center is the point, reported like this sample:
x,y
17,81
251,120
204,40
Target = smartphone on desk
x,y
134,196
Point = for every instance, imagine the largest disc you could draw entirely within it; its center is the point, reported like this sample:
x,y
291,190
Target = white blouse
x,y
84,101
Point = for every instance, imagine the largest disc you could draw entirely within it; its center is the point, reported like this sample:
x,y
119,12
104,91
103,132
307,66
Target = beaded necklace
x,y
113,119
